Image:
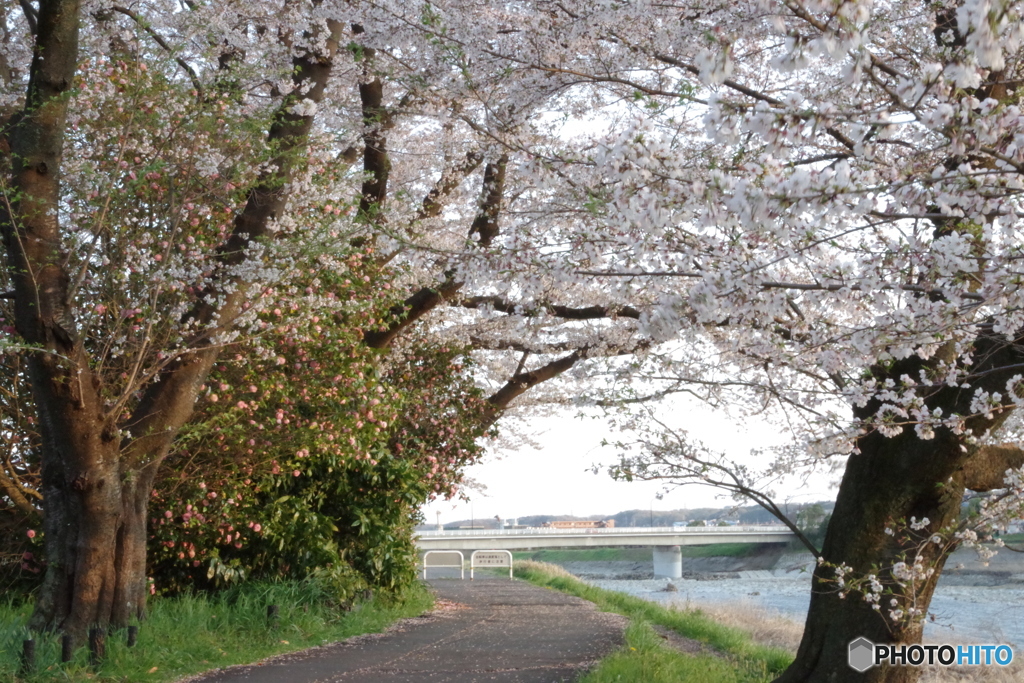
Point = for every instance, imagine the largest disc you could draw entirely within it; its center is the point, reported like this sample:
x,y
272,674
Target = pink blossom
x,y
257,527
296,473
31,533
168,514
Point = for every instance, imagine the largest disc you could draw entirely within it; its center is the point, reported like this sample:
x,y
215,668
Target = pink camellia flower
x,y
257,527
296,473
101,309
31,533
168,514
252,388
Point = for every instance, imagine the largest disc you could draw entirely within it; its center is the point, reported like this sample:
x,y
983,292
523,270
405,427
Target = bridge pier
x,y
668,562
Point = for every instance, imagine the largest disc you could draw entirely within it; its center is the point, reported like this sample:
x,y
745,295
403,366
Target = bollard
x,y
272,615
28,656
133,635
97,646
67,648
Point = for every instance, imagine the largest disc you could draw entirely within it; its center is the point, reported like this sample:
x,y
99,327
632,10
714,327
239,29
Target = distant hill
x,y
747,514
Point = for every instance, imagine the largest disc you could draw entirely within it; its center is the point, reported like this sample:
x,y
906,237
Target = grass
x,y
646,659
758,644
633,554
191,634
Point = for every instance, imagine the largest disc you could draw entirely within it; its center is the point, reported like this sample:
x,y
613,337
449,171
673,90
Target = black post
x,y
28,656
272,615
133,635
97,646
67,648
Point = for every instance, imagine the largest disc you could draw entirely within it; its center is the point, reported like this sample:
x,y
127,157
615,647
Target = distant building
x,y
580,524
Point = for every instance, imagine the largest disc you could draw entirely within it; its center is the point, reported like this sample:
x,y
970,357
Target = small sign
x,y
444,558
490,558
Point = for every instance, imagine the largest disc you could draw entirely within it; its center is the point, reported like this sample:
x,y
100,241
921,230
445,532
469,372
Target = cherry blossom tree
x,y
813,207
174,172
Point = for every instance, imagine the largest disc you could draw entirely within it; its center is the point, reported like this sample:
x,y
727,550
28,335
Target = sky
x,y
553,475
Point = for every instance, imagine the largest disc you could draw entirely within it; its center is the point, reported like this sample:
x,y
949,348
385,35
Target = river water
x,y
978,605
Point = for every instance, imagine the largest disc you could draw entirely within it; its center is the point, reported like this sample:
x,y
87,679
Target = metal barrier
x,y
614,531
451,554
490,558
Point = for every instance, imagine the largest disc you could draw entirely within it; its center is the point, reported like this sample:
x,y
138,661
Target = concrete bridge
x,y
665,541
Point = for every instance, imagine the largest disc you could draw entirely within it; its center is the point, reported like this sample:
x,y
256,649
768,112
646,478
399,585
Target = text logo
x,y
863,654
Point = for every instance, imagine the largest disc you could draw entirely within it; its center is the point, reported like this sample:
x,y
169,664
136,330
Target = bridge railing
x,y
632,531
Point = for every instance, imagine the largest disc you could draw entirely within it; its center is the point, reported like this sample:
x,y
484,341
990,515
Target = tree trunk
x,y
82,494
891,479
887,483
95,525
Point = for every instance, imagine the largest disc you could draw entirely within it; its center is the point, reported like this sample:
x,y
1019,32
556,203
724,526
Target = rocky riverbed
x,y
973,602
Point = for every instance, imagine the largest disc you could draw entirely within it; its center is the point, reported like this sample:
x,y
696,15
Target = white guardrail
x,y
632,531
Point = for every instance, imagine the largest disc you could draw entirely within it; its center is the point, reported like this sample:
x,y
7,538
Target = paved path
x,y
484,630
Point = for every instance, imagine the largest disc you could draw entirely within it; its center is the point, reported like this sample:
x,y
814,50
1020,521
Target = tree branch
x,y
158,39
567,312
31,16
411,310
168,403
450,178
522,382
486,222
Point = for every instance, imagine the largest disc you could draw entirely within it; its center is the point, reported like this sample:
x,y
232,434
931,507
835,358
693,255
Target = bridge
x,y
665,541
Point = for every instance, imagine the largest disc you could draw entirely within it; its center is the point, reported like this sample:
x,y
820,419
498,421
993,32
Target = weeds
x,y
190,634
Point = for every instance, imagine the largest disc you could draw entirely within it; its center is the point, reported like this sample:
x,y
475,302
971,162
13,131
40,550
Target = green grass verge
x,y
634,554
191,634
646,659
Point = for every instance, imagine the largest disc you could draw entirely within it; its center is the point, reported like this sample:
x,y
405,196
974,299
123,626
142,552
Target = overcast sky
x,y
556,479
